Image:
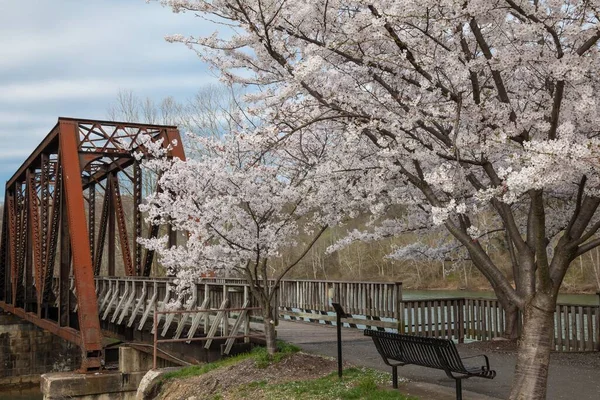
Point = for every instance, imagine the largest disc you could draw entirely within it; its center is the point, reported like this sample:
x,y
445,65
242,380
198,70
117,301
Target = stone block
x,y
132,360
15,341
44,340
30,379
10,329
70,384
27,350
23,347
23,363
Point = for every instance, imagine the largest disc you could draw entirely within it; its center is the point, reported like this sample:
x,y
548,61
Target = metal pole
x,y
339,314
339,342
458,389
598,325
154,351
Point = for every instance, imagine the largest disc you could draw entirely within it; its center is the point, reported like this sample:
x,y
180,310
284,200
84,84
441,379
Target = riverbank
x,y
563,298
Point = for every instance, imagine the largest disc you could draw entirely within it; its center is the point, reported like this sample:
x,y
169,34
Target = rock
x,y
146,390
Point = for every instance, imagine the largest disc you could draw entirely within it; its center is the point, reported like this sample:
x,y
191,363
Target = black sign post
x,y
339,314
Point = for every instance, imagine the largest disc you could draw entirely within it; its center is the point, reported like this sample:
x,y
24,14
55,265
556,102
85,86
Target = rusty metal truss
x,y
63,211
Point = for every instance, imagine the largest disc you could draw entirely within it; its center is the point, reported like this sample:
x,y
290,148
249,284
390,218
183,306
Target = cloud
x,y
86,88
71,58
71,36
11,118
14,154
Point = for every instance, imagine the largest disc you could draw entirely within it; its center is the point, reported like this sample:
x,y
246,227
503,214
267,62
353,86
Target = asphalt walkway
x,y
571,376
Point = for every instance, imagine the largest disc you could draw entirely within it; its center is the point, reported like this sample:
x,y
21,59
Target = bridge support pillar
x,y
109,385
105,385
27,351
132,360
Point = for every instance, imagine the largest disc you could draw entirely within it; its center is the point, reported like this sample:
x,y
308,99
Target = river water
x,y
579,299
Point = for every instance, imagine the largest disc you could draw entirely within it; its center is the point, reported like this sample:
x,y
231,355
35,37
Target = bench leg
x,y
395,377
458,389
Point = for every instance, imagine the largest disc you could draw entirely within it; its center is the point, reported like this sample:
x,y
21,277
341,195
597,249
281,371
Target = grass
x,y
357,383
259,354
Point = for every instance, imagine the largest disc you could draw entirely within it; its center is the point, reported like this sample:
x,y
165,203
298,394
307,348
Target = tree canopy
x,y
452,109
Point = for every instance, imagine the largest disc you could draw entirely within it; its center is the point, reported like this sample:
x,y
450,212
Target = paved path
x,y
568,380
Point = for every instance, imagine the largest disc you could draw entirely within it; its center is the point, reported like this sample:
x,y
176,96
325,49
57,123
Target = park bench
x,y
398,350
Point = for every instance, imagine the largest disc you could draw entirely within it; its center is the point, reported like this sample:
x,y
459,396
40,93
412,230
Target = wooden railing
x,y
380,299
442,318
576,327
207,308
484,319
372,304
219,328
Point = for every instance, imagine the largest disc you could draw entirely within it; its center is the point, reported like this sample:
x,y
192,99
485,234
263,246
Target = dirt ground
x,y
298,366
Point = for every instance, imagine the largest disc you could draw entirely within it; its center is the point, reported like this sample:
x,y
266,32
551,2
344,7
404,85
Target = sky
x,y
70,58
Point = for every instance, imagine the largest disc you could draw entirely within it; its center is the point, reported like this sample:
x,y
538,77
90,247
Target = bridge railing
x,y
208,309
219,328
372,304
576,327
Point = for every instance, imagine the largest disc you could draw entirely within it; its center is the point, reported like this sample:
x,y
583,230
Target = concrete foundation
x,y
119,385
95,386
27,351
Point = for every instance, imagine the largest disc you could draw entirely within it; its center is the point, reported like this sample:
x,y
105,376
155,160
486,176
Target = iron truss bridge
x,y
71,209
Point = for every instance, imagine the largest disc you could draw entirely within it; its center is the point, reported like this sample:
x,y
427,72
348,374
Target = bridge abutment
x,y
27,351
121,384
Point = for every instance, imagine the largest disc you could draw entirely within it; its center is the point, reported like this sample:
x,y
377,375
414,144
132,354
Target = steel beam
x,y
137,217
12,236
122,226
89,323
53,230
111,227
21,245
102,232
4,262
35,234
64,266
92,218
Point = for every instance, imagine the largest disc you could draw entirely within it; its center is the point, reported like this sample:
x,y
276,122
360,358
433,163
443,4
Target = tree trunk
x,y
269,326
511,315
531,372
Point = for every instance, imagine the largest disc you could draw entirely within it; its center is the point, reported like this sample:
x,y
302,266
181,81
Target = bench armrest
x,y
487,361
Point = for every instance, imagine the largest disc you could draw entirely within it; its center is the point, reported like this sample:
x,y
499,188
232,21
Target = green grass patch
x,y
259,354
356,383
264,359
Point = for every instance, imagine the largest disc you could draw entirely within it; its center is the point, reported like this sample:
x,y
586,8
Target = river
x,y
563,298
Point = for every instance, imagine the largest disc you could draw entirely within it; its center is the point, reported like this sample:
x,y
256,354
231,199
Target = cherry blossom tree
x,y
450,108
240,206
